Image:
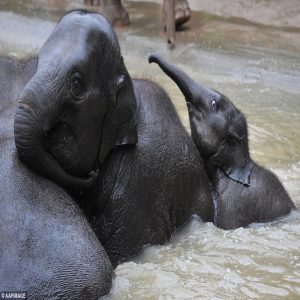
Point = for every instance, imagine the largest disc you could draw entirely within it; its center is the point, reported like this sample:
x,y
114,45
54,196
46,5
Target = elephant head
x,y
218,128
79,104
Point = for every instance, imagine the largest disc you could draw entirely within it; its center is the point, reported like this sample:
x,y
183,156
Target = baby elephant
x,y
244,192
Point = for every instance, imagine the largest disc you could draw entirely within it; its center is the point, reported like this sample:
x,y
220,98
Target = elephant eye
x,y
77,86
213,105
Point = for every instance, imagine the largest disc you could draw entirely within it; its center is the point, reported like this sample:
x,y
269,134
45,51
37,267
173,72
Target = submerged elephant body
x,y
145,191
47,248
263,200
244,192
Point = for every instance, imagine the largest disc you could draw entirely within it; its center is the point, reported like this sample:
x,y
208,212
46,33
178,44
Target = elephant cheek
x,y
62,145
75,151
203,138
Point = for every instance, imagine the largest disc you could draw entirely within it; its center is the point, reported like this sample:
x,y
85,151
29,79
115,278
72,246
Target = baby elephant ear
x,y
237,132
239,174
239,165
120,126
233,157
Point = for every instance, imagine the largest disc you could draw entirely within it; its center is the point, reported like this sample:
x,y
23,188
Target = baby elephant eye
x,y
213,104
77,85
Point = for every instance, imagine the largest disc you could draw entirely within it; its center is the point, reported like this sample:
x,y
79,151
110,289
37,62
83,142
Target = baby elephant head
x,y
79,104
218,128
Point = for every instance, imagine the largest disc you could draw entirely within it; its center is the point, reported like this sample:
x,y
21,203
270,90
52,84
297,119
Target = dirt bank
x,y
266,12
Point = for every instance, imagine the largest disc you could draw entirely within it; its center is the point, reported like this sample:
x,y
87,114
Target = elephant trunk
x,y
30,135
192,91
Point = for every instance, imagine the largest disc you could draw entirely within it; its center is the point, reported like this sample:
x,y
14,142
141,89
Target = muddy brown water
x,y
258,67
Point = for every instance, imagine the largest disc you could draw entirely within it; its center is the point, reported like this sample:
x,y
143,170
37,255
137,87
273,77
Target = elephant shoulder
x,y
46,239
153,98
165,146
158,117
146,86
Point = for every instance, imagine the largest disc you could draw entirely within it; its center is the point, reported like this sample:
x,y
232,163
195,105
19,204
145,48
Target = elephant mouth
x,y
205,149
215,155
196,115
61,143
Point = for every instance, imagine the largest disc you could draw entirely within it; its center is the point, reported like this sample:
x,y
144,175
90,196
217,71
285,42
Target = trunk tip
x,y
154,58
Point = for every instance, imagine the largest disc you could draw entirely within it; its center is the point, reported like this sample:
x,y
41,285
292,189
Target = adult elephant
x,y
47,247
85,124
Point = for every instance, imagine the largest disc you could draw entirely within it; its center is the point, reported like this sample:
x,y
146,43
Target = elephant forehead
x,y
86,20
80,31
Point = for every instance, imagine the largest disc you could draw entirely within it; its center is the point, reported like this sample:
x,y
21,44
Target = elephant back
x,y
168,147
145,191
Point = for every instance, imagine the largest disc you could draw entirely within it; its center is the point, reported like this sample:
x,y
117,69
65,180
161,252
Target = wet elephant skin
x,y
145,192
115,144
47,248
244,192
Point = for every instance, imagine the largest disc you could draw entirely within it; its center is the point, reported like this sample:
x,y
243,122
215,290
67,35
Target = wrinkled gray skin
x,y
47,247
244,192
119,140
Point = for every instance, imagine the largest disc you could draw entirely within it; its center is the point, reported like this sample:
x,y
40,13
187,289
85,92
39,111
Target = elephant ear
x,y
120,126
233,156
239,174
240,165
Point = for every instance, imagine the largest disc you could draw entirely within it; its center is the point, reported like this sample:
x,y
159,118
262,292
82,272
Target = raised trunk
x,y
192,91
187,85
